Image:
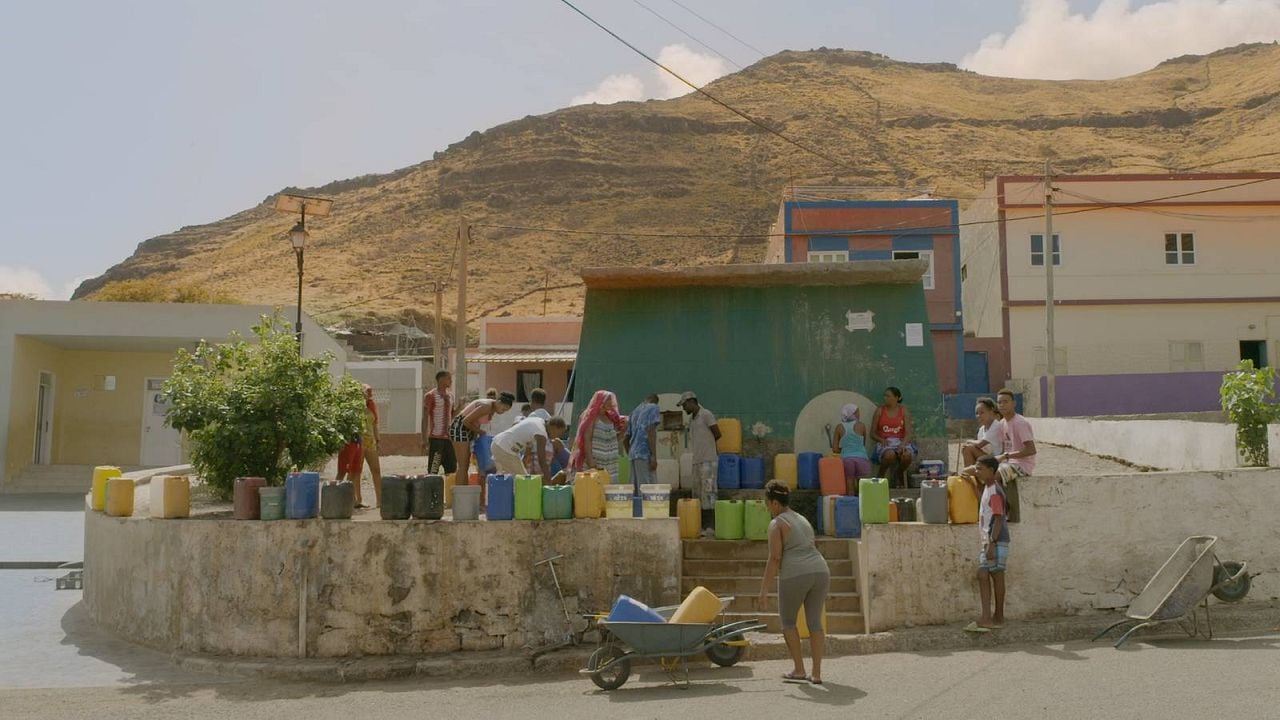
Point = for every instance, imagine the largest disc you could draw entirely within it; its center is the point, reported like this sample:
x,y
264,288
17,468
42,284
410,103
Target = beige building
x,y
1161,282
81,383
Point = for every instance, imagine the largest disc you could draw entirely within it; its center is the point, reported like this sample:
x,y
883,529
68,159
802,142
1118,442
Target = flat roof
x,y
858,272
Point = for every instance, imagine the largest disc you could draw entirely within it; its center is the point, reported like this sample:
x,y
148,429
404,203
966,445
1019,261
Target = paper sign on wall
x,y
860,320
915,335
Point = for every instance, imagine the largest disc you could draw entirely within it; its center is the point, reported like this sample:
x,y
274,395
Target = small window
x,y
917,255
1037,250
526,382
1186,356
828,256
1255,351
1179,249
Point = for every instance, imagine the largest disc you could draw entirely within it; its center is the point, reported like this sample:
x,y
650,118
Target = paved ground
x,y
41,528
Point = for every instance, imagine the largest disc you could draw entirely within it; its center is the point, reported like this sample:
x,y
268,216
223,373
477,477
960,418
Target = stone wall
x,y
214,585
1273,445
1083,544
1164,444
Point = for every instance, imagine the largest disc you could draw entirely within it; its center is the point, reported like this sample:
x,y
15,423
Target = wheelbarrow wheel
x,y
612,677
1233,591
725,655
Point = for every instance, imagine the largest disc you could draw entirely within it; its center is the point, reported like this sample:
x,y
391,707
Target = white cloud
x,y
17,279
696,67
1051,42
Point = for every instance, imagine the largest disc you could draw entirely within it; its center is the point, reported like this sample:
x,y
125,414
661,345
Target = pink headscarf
x,y
602,402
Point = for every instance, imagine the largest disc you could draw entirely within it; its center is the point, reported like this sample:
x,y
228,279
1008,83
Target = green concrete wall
x,y
758,353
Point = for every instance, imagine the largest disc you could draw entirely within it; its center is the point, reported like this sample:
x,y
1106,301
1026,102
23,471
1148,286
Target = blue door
x,y
975,372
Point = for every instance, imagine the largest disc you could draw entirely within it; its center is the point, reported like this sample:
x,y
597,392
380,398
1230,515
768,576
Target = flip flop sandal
x,y
974,627
816,682
794,678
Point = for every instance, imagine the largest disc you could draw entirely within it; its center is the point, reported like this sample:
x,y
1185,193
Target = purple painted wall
x,y
1135,394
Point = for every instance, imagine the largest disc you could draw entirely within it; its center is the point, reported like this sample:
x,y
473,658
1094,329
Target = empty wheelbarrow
x,y
1184,582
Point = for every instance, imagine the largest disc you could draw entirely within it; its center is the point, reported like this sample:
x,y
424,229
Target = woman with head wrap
x,y
596,444
850,440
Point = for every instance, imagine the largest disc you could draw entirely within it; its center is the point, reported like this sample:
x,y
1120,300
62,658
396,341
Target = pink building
x,y
518,354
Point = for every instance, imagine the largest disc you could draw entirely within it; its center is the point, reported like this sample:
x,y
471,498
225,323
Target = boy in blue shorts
x,y
993,558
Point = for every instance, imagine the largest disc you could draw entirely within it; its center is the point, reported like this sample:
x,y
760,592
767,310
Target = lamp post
x,y
298,235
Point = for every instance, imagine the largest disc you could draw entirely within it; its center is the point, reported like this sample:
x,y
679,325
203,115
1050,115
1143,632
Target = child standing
x,y
993,558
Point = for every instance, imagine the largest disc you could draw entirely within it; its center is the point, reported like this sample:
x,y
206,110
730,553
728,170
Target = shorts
x,y
1001,562
458,432
705,473
440,455
856,468
351,459
507,461
808,590
881,449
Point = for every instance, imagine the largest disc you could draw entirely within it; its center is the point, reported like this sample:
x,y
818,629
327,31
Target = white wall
x,y
1273,445
1164,444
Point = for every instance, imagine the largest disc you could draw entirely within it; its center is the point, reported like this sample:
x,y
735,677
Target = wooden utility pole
x,y
1051,365
437,334
460,363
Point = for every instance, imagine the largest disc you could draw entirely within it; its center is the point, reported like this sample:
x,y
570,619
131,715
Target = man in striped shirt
x,y
437,413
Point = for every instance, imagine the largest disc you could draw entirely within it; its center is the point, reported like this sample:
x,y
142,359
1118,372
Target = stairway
x,y
59,479
735,567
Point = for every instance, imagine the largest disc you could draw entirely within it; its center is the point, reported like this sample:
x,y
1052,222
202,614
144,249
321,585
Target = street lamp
x,y
298,235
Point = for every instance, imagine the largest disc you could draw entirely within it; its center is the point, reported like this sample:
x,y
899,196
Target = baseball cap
x,y
686,396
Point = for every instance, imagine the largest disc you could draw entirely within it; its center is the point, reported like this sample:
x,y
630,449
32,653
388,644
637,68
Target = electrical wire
x,y
739,40
687,34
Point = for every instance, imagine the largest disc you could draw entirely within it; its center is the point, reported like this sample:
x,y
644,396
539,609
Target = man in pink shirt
x,y
1019,456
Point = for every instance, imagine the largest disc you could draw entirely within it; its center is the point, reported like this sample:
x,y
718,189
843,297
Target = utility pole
x,y
546,285
460,364
1051,365
437,334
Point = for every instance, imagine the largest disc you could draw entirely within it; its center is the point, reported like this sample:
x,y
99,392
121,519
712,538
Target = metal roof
x,y
525,356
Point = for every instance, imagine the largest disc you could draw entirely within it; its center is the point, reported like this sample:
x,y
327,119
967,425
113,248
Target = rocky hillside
x,y
688,165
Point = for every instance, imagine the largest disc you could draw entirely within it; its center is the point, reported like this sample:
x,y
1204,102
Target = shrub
x,y
159,291
259,409
1245,395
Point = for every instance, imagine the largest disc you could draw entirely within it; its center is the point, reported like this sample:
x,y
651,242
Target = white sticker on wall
x,y
915,335
860,321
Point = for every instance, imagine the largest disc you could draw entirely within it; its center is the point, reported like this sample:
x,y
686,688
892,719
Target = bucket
x,y
302,495
752,473
426,497
337,500
690,514
500,497
271,503
657,500
807,470
618,501
701,606
119,497
245,498
729,472
170,496
98,492
395,498
466,502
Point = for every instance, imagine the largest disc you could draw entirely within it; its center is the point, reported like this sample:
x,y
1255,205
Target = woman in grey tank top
x,y
803,579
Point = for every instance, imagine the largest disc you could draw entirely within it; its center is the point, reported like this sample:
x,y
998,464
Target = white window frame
x,y
828,256
927,280
1186,356
1180,254
1031,253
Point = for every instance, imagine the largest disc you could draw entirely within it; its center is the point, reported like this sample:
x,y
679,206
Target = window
x,y
526,382
1037,250
829,256
1255,350
1186,356
918,255
1179,249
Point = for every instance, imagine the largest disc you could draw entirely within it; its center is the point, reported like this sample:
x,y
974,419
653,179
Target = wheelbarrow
x,y
1184,582
610,665
724,654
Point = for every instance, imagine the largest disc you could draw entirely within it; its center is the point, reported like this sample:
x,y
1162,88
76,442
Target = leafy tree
x,y
1245,395
259,409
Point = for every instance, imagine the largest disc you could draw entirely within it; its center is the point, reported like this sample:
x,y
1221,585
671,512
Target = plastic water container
x,y
271,503
906,509
245,501
701,606
729,472
618,501
933,502
751,473
482,449
624,468
588,494
98,491
893,512
466,501
669,471
686,469
448,490
933,468
962,503
500,497
626,609
873,494
807,470
426,497
755,520
730,436
657,500
729,519
337,500
848,517
690,514
528,497
828,508
557,502
784,469
802,625
831,476
170,496
396,498
119,497
302,495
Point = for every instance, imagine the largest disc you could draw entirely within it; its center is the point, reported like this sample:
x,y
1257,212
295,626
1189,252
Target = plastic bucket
x,y
618,501
466,502
657,500
271,503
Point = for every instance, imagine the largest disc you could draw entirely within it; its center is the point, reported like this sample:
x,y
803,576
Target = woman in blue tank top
x,y
850,440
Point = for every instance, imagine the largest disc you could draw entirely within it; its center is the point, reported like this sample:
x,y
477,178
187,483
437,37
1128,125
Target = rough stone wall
x,y
1083,544
370,588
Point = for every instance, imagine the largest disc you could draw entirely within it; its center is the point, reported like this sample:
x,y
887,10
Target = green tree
x,y
1245,395
259,409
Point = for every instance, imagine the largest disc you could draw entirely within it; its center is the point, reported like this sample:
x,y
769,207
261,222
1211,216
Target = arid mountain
x,y
688,165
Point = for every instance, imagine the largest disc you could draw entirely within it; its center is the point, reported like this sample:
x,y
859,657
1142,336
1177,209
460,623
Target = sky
x,y
128,119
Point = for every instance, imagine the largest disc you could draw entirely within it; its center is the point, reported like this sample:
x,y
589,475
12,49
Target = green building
x,y
781,347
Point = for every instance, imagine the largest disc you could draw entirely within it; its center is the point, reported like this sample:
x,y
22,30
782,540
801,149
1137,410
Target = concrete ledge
x,y
1273,445
1163,444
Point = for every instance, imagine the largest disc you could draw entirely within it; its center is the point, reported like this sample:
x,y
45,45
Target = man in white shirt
x,y
531,433
703,434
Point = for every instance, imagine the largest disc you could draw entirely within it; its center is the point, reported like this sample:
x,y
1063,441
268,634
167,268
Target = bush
x,y
1245,395
156,290
260,409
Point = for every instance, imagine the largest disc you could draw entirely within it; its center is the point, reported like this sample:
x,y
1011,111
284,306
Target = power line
x,y
739,40
687,34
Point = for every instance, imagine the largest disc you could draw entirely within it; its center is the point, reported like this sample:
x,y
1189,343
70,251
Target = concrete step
x,y
831,549
836,602
71,479
749,568
838,623
750,585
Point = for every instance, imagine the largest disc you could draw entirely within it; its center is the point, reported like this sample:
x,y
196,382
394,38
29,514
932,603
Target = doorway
x,y
43,453
1255,350
976,375
161,444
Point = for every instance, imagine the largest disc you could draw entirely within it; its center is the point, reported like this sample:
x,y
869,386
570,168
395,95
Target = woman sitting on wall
x,y
891,429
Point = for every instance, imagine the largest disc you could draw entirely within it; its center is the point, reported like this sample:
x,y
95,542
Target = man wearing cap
x,y
703,434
